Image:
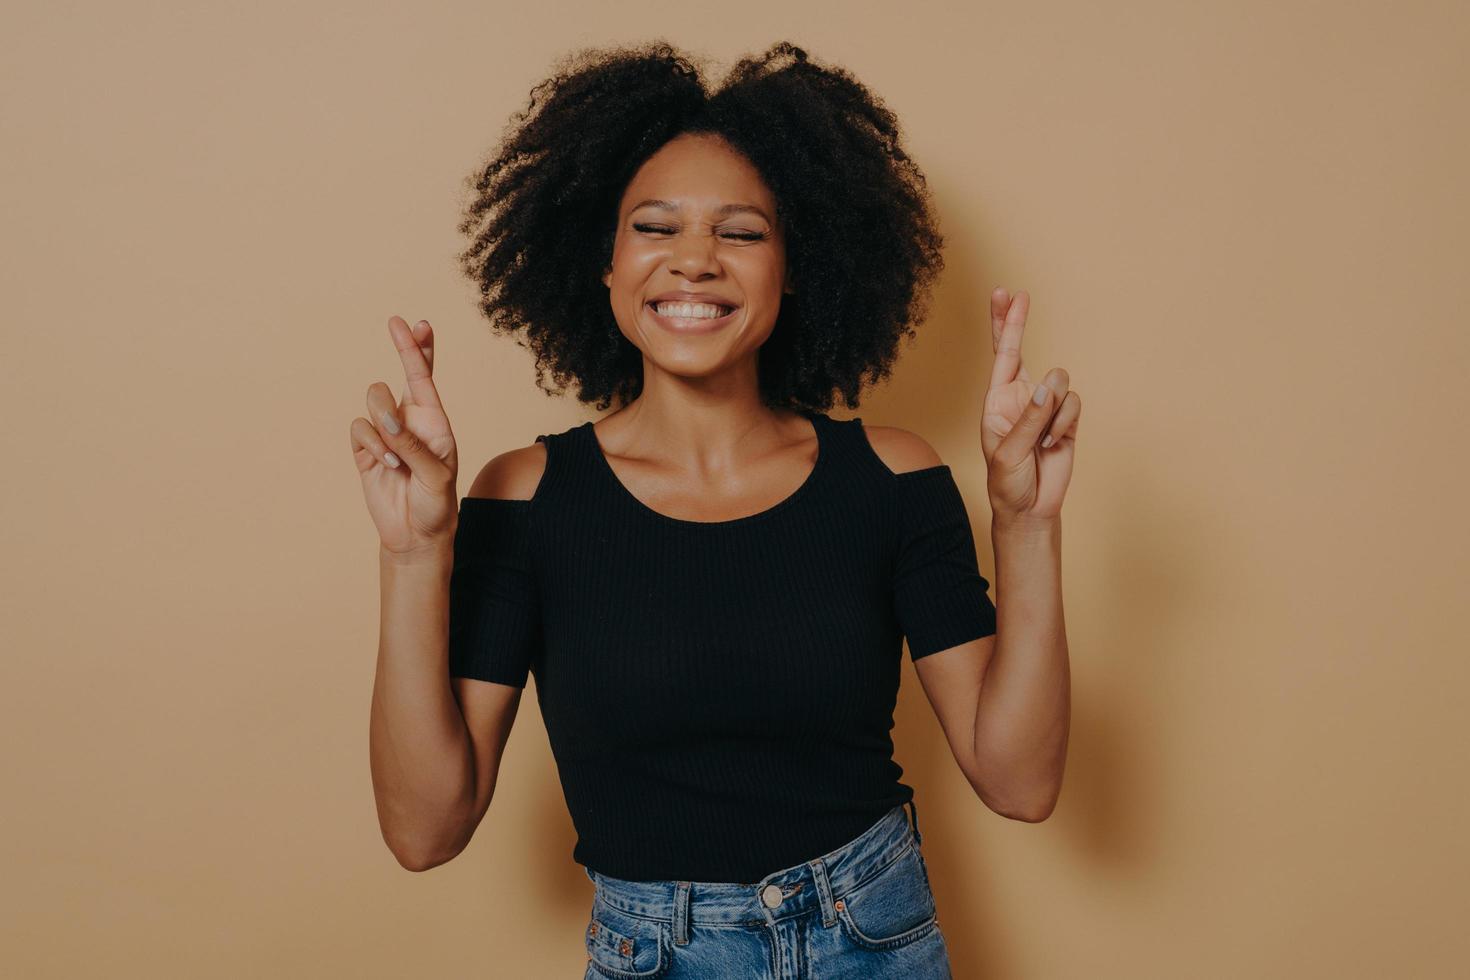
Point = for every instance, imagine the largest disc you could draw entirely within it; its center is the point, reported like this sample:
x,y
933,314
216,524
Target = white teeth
x,y
701,311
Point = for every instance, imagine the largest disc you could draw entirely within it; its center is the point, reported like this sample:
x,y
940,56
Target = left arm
x,y
1004,701
1023,708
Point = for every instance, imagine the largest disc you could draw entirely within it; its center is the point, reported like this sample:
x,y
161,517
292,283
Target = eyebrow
x,y
720,212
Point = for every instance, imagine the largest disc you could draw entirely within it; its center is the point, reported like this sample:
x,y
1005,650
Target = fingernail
x,y
391,459
1040,397
1047,441
390,423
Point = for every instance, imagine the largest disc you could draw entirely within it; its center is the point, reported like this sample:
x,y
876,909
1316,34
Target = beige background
x,y
1244,229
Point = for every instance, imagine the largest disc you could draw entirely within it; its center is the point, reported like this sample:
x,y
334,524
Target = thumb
x,y
1024,436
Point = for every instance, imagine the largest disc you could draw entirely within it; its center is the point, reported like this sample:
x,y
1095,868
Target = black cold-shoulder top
x,y
718,695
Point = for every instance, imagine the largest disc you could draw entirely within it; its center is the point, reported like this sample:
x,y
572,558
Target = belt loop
x,y
824,892
914,810
681,913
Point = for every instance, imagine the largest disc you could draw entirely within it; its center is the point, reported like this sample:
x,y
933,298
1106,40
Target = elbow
x,y
421,855
1034,814
1027,809
420,861
1035,809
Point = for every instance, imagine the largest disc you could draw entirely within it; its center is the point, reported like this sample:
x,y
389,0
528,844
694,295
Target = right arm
x,y
436,741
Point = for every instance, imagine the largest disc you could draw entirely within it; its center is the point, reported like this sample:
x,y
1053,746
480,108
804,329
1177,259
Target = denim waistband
x,y
798,889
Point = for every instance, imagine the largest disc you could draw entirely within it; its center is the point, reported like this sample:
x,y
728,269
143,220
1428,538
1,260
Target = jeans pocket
x,y
627,946
891,909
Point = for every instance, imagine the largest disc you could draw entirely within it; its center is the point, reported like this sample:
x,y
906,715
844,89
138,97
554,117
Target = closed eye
x,y
744,236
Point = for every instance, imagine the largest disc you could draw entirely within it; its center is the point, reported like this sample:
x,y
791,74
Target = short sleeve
x,y
939,596
494,605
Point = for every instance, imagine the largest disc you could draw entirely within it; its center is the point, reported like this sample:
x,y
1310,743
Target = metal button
x,y
771,895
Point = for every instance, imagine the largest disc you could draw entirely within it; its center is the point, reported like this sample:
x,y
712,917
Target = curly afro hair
x,y
863,246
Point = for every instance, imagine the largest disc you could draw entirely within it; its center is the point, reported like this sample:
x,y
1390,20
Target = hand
x,y
409,477
1027,480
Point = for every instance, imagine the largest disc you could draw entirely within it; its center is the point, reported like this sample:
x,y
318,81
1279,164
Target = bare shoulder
x,y
513,475
899,449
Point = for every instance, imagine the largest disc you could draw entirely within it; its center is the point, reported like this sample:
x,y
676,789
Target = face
x,y
697,219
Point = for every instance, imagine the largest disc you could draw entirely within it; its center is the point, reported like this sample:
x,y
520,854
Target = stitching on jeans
x,y
882,868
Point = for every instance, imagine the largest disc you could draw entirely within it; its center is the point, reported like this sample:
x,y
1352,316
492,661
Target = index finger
x,y
416,369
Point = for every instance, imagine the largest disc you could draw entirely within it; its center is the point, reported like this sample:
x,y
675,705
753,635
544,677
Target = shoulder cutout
x,y
901,450
513,475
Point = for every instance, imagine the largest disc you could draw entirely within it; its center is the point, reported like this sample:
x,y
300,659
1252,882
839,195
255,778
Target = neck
x,y
697,424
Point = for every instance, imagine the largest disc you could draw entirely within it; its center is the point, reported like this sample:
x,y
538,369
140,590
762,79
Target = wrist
x,y
433,554
1024,525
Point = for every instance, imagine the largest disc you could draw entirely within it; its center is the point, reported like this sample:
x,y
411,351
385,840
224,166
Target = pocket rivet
x,y
594,928
840,904
626,948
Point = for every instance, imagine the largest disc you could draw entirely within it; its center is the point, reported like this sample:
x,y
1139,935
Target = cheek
x,y
761,276
634,264
628,275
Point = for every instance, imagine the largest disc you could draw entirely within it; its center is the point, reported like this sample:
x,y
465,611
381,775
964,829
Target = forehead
x,y
699,173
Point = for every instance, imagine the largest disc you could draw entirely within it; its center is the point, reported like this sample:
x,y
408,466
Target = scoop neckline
x,y
778,507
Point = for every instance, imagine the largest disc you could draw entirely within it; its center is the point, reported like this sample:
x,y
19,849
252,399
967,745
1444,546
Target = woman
x,y
712,584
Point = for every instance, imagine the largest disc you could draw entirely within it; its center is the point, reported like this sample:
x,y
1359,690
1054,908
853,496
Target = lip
x,y
682,296
683,325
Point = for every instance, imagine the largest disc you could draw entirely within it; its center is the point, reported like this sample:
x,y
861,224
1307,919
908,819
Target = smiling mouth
x,y
691,317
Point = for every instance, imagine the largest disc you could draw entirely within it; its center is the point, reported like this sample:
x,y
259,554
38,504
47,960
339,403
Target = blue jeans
x,y
863,910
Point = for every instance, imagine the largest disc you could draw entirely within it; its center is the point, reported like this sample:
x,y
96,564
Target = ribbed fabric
x,y
718,695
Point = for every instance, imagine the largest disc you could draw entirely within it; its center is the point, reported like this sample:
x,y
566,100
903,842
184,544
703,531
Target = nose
x,y
694,256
